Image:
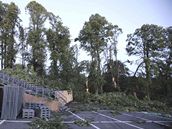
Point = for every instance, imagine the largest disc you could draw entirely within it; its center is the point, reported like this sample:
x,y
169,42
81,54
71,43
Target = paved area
x,y
108,120
104,119
14,124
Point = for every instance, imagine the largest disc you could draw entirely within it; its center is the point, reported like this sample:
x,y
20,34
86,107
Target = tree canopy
x,y
45,49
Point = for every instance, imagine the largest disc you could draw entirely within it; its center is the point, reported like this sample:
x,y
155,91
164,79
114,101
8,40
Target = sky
x,y
127,14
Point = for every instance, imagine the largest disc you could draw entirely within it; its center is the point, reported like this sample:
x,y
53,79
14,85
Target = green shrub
x,y
122,102
54,123
82,123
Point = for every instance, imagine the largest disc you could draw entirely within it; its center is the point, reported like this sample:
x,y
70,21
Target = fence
x,y
12,101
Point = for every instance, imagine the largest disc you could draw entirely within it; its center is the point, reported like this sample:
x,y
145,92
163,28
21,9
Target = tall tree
x,y
110,71
146,43
111,56
10,21
94,37
169,63
3,11
22,38
58,44
36,36
164,66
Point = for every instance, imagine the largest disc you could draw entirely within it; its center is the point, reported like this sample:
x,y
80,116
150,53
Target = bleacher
x,y
13,92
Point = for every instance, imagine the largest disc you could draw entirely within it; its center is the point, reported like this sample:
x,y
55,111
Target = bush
x,y
82,123
54,123
122,102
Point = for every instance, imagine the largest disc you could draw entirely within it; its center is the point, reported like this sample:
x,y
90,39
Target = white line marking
x,y
17,121
68,122
118,120
106,110
108,122
136,117
125,121
93,122
76,115
83,119
147,120
94,126
2,122
156,115
162,121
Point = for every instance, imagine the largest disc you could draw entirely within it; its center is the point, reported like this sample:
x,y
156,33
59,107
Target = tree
x,y
36,36
164,66
94,37
58,43
58,38
147,43
22,38
111,56
113,70
8,32
3,11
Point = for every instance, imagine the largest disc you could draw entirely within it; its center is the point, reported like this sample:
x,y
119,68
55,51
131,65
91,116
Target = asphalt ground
x,y
14,124
103,119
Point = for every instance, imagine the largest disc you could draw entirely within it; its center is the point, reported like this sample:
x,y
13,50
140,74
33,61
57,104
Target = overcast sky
x,y
127,14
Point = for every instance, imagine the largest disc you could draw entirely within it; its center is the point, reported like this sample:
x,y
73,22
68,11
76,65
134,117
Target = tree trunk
x,y
99,72
111,68
5,55
148,73
2,55
23,60
148,79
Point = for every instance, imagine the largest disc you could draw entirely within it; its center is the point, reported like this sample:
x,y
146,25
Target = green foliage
x,y
58,44
122,102
35,37
95,79
54,123
38,14
113,71
81,106
94,34
82,97
112,64
147,43
25,74
152,44
82,123
22,47
94,37
9,24
65,71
